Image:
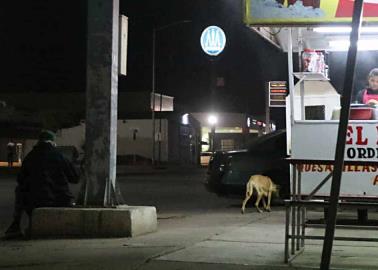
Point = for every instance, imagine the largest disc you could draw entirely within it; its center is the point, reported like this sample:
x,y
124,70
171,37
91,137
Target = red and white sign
x,y
345,8
316,140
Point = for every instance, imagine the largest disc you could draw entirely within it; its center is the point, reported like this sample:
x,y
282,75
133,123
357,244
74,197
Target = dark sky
x,y
183,69
42,45
43,50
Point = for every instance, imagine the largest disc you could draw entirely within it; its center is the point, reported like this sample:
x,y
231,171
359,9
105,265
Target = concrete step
x,y
122,221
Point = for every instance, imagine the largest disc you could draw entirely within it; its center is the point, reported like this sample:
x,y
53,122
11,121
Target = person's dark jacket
x,y
45,176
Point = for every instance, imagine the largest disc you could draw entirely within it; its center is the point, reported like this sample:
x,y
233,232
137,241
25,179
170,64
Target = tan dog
x,y
264,187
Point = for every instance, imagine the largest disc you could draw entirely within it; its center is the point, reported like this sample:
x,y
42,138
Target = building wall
x,y
179,143
28,146
184,141
141,143
127,143
233,141
3,149
74,136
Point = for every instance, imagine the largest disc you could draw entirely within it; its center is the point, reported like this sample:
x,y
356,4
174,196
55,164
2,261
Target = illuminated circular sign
x,y
213,40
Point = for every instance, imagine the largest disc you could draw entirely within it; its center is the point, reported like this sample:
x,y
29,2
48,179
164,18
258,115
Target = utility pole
x,y
101,103
153,95
341,136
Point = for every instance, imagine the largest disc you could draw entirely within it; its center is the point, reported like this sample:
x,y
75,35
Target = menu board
x,y
277,93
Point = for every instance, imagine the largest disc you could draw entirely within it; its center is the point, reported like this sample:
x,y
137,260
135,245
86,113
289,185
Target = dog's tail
x,y
249,189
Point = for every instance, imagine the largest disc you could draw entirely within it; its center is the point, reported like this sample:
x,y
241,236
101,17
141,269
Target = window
x,y
227,145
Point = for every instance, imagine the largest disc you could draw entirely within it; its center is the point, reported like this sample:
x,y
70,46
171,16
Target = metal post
x,y
294,181
267,110
160,136
299,209
302,99
299,185
287,231
101,102
341,137
293,210
153,96
300,49
212,141
291,75
303,226
213,74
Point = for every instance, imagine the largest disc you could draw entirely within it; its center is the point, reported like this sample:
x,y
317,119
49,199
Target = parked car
x,y
228,172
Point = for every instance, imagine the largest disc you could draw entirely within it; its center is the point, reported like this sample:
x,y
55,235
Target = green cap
x,y
47,135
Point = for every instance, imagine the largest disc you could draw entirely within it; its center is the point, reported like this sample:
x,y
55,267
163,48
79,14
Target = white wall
x,y
316,93
28,146
142,145
74,136
126,145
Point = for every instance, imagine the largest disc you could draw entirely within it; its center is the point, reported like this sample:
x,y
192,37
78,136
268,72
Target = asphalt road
x,y
174,193
196,230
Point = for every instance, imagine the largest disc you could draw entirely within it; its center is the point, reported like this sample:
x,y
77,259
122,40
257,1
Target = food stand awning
x,y
305,12
271,19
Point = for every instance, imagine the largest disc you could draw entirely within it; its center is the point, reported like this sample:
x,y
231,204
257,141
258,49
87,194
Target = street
x,y
180,192
176,194
187,215
196,230
140,93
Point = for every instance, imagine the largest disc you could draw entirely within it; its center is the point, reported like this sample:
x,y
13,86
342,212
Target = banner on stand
x,y
304,12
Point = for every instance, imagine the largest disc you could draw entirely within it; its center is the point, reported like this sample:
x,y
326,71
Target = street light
x,y
154,78
213,120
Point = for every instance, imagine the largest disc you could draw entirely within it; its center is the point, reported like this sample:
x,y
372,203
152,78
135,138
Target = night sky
x,y
183,69
42,45
43,50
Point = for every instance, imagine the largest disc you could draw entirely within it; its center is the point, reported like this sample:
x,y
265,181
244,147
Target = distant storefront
x,y
232,131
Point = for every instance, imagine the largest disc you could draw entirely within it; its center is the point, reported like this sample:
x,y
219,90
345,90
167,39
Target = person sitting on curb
x,y
43,181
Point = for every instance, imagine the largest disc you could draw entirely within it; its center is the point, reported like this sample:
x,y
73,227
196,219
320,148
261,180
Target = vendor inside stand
x,y
370,95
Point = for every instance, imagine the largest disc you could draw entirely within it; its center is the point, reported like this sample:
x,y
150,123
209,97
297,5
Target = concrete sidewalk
x,y
217,240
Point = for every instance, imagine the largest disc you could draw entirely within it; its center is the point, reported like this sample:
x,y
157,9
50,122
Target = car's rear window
x,y
246,161
273,143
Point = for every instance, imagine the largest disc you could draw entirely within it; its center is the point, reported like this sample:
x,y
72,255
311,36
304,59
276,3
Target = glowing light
x,y
185,119
213,40
213,119
335,30
363,44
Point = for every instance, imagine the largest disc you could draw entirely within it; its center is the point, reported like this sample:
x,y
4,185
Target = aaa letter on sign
x,y
213,40
328,12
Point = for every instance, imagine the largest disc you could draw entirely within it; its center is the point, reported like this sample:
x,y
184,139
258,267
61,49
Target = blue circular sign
x,y
213,40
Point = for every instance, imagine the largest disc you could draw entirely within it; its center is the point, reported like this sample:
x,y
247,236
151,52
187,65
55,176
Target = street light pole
x,y
153,96
154,80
